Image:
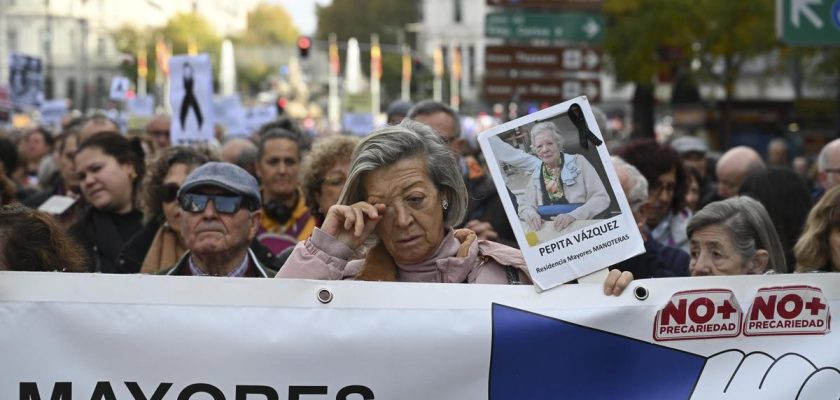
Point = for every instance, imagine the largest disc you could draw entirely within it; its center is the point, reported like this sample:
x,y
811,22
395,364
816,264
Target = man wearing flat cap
x,y
221,213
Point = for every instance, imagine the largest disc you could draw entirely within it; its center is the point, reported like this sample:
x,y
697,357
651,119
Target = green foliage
x,y
269,25
182,28
361,18
648,37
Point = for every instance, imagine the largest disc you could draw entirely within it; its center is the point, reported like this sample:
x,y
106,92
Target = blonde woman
x,y
818,249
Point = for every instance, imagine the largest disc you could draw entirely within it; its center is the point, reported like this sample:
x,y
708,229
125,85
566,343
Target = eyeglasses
x,y
196,203
169,192
335,180
160,132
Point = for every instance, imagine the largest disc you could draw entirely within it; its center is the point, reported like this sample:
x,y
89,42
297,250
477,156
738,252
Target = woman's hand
x,y
533,219
353,224
561,221
616,282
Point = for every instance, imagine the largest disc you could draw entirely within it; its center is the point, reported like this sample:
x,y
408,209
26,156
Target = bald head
x,y
241,152
828,165
733,167
158,130
97,124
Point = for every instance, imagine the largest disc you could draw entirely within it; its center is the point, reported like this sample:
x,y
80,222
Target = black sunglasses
x,y
169,192
196,203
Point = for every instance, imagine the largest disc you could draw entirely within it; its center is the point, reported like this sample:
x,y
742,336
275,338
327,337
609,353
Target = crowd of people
x,y
410,202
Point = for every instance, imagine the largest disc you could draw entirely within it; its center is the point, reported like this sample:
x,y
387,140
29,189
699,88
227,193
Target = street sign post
x,y
582,27
547,90
808,22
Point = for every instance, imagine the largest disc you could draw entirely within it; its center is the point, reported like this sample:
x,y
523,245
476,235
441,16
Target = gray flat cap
x,y
223,175
688,144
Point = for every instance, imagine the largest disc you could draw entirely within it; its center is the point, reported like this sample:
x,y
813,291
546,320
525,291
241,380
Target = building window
x,y
100,90
46,40
100,46
471,63
70,90
49,93
12,40
458,12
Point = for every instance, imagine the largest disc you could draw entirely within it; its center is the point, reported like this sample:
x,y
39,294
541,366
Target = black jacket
x,y
98,234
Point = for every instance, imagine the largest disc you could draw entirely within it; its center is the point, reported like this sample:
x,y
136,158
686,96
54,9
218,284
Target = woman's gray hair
x,y
638,193
390,144
750,225
541,128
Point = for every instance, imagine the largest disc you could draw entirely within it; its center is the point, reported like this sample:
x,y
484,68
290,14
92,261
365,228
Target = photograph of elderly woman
x,y
556,186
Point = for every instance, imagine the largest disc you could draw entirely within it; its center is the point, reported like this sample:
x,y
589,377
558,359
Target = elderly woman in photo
x,y
565,180
394,219
734,237
818,249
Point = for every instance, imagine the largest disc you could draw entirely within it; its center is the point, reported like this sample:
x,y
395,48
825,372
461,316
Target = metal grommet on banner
x,y
325,296
641,293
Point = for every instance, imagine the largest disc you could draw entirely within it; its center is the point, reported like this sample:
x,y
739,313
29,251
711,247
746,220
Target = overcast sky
x,y
303,12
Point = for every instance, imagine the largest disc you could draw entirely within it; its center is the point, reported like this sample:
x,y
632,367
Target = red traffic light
x,y
304,42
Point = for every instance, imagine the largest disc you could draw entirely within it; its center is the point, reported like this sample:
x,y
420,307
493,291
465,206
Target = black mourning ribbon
x,y
189,99
585,135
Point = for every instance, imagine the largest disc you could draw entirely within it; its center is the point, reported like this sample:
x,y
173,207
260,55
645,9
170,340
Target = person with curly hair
x,y
667,214
324,172
159,244
30,240
818,249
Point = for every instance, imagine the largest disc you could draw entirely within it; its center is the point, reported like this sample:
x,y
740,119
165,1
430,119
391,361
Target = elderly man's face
x,y
211,232
158,130
412,227
713,252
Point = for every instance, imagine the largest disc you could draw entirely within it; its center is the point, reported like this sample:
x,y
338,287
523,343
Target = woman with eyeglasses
x,y
667,215
109,168
325,170
160,244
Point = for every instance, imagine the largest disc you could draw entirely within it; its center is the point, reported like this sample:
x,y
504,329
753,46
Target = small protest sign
x,y
357,123
26,80
120,87
52,111
191,96
564,203
231,115
257,116
140,106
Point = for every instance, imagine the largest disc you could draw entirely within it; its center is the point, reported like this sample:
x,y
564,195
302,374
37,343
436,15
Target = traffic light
x,y
304,43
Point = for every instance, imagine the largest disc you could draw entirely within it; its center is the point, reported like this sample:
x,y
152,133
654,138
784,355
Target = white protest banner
x,y
191,96
140,106
52,111
259,115
168,338
120,87
26,80
565,203
231,115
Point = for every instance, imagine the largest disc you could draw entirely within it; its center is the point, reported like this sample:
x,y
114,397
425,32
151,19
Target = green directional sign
x,y
547,25
808,22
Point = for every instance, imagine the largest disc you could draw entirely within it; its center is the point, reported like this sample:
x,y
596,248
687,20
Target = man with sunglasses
x,y
221,214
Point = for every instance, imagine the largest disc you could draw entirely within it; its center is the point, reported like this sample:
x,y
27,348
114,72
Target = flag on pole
x,y
335,62
142,64
162,55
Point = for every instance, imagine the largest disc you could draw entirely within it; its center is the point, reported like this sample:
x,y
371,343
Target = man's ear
x,y
256,216
759,262
822,178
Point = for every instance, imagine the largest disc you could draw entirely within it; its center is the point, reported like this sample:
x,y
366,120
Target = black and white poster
x,y
191,97
26,80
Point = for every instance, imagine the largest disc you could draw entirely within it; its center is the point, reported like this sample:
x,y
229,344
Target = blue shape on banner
x,y
539,357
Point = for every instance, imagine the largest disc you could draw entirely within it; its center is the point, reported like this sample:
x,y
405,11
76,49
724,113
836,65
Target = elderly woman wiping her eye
x,y
393,221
